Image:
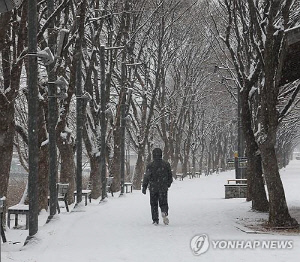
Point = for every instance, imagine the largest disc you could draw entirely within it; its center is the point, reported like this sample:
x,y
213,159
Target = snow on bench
x,y
19,209
236,190
127,186
244,181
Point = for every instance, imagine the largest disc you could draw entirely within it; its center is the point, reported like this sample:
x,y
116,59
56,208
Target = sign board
x,y
230,163
242,162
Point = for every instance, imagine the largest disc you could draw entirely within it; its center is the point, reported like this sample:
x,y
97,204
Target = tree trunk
x,y
43,175
43,178
7,130
201,158
279,215
115,166
11,79
209,162
259,196
67,170
139,169
175,160
94,158
65,145
185,166
193,162
95,178
256,188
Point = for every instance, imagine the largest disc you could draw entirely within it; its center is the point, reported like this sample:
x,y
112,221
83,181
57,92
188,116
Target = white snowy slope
x,y
121,229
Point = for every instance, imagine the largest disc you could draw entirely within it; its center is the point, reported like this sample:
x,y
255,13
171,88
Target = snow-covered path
x,y
121,229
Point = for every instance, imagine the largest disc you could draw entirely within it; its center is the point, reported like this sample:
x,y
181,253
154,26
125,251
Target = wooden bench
x,y
180,176
87,195
62,191
1,220
17,210
197,174
239,180
127,186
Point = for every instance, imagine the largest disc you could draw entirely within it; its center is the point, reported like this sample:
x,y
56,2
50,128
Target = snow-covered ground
x,y
121,230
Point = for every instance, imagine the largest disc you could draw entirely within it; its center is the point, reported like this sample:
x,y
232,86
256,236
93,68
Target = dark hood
x,y
157,154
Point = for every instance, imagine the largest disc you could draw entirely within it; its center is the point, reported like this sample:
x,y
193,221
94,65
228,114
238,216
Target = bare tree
x,y
12,42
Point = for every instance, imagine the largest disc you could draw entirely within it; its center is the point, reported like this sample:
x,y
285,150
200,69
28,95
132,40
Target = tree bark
x,y
256,188
95,178
279,214
43,174
94,158
115,166
67,171
11,79
7,130
139,168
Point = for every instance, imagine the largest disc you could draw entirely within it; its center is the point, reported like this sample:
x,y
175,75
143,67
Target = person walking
x,y
159,178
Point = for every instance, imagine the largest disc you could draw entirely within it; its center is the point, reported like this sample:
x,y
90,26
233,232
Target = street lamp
x,y
52,117
103,122
103,114
33,146
125,102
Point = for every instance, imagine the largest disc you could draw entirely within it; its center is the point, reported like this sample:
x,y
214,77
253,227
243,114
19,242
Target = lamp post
x,y
79,100
52,118
122,145
103,122
125,102
32,120
102,117
239,170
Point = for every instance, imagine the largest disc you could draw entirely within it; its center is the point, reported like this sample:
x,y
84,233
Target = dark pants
x,y
161,198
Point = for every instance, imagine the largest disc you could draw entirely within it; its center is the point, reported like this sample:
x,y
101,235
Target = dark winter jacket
x,y
158,176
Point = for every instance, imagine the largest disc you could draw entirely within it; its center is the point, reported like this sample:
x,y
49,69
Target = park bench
x,y
237,189
128,187
197,174
179,176
190,174
237,181
62,191
19,209
1,220
87,193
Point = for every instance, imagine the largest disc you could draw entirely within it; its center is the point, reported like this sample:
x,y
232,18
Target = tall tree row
x,y
169,86
257,51
161,56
